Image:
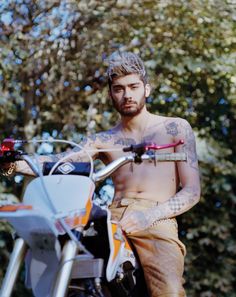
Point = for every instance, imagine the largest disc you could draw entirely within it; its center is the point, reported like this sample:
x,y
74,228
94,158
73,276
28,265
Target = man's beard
x,y
132,111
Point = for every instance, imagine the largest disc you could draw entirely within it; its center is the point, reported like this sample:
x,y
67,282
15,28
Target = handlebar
x,y
141,152
113,166
141,148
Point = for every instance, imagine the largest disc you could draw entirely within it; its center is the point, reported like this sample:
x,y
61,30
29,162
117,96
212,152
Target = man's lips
x,y
129,104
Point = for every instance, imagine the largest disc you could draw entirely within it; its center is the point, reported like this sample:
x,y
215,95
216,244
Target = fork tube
x,y
17,257
64,274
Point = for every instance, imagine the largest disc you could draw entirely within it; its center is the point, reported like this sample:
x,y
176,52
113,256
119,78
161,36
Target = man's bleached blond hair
x,y
124,63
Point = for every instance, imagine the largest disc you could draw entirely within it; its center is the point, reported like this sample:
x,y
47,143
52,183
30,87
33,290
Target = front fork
x,y
63,277
16,259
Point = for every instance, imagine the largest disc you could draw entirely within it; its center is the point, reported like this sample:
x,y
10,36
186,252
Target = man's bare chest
x,y
113,147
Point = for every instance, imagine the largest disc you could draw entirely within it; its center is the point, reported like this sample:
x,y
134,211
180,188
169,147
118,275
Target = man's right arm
x,y
23,168
75,155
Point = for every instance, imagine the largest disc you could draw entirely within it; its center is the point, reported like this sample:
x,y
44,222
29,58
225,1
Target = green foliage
x,y
52,78
209,231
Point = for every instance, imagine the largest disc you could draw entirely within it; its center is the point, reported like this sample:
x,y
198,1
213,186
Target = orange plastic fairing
x,y
15,207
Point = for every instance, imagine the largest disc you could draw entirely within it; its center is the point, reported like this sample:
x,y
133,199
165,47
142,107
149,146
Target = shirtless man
x,y
147,197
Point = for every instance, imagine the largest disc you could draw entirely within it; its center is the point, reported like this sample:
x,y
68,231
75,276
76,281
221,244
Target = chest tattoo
x,y
124,141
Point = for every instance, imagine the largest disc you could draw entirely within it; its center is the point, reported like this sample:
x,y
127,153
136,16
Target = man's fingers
x,y
130,217
130,227
133,222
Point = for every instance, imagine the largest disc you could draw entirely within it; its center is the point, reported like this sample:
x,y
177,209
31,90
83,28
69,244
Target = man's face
x,y
128,94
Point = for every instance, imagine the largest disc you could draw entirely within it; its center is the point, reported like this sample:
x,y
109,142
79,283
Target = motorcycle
x,y
70,245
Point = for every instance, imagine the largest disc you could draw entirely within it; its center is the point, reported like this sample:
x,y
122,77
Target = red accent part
x,y
7,145
15,207
154,146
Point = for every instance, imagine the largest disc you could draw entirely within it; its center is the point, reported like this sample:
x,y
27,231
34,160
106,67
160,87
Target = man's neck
x,y
135,123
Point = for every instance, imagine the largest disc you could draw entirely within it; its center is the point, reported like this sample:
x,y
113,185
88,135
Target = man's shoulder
x,y
170,120
173,126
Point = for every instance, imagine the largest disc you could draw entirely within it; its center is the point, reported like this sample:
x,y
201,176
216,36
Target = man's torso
x,y
147,180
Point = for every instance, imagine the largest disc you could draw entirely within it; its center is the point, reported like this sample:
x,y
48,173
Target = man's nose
x,y
127,94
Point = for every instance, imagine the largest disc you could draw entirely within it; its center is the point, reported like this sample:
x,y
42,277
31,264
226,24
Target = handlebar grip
x,y
171,157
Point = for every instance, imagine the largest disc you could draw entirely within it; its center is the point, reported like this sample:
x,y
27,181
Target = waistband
x,y
128,201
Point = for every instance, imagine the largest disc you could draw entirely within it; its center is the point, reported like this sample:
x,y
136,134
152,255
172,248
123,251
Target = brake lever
x,y
8,152
141,148
154,146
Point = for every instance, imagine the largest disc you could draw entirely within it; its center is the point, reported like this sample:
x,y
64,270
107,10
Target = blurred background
x,y
53,84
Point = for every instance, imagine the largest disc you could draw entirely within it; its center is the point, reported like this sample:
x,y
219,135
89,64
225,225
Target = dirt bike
x,y
70,245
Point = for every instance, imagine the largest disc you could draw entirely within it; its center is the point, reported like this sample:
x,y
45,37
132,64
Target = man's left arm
x,y
188,173
183,200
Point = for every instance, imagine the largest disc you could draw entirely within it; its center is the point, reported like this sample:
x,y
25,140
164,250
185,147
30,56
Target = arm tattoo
x,y
56,157
190,147
22,166
72,158
172,128
183,128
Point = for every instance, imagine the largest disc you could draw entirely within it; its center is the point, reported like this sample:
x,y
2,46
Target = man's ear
x,y
147,90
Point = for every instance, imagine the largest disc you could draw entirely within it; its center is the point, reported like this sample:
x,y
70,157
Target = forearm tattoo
x,y
71,154
176,205
57,157
183,199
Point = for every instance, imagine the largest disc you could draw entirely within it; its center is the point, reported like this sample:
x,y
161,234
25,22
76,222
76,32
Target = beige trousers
x,y
160,251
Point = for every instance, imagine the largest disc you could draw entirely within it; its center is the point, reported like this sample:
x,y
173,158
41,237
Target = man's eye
x,y
117,90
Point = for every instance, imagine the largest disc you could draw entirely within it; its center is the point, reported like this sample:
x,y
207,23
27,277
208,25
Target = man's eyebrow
x,y
129,85
116,85
134,84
